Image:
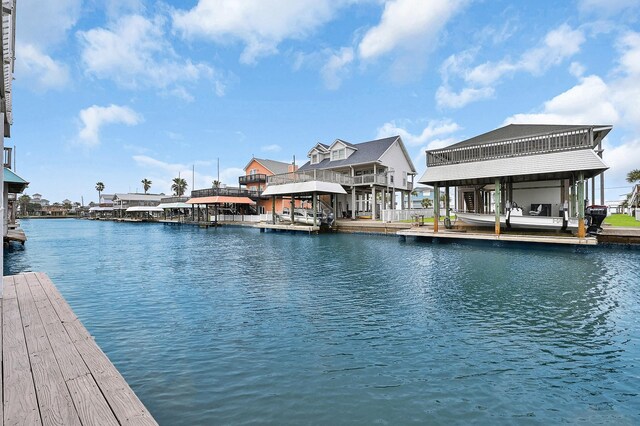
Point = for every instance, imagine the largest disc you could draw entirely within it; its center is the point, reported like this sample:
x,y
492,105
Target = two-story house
x,y
374,174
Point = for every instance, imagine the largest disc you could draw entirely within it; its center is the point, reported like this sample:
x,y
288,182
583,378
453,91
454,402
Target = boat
x,y
514,218
305,217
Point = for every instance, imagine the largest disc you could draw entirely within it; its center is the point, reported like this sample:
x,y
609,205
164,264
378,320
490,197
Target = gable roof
x,y
366,152
275,167
515,131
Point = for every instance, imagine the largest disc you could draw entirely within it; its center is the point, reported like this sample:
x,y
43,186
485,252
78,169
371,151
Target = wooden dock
x,y
426,232
53,372
15,234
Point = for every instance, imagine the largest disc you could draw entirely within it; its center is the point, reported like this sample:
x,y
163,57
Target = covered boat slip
x,y
302,191
218,202
527,176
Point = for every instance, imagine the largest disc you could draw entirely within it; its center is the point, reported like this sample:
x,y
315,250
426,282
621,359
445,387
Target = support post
x,y
573,196
601,178
497,199
373,202
353,203
273,209
293,204
436,207
447,203
334,198
314,206
580,195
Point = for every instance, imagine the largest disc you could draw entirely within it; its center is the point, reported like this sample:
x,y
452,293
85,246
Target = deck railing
x,y
235,192
388,215
310,175
327,176
168,200
256,178
564,141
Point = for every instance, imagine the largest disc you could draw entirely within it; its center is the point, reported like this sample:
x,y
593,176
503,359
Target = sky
x,y
118,91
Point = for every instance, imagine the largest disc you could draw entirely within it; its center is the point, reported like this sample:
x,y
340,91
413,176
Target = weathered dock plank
x,y
20,403
53,372
54,400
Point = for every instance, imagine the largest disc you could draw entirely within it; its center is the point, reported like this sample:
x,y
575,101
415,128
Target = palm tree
x,y
24,202
179,186
633,176
99,188
146,184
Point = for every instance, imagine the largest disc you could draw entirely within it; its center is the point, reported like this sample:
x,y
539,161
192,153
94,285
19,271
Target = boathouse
x,y
545,169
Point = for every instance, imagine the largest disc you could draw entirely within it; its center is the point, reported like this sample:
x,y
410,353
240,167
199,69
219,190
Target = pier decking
x,y
425,232
52,370
287,227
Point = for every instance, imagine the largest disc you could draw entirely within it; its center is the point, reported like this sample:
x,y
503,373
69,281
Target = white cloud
x,y
271,148
94,117
408,31
607,7
449,99
558,44
261,25
45,23
588,102
426,136
44,71
407,24
335,68
134,53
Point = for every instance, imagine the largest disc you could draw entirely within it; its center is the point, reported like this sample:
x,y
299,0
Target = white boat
x,y
515,219
302,216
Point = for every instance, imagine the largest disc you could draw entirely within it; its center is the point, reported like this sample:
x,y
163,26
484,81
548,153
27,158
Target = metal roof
x,y
14,183
367,152
308,187
555,165
138,197
220,199
515,131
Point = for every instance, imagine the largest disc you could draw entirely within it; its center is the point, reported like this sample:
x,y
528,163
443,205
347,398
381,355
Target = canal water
x,y
234,326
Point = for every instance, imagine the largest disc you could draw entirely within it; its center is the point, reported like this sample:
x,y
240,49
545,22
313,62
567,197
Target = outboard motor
x,y
596,215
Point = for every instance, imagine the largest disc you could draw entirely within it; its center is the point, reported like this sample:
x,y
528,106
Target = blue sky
x,y
121,90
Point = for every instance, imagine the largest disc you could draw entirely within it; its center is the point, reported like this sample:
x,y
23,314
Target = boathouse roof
x,y
523,152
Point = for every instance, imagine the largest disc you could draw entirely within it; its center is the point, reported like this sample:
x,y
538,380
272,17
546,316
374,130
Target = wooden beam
x,y
436,207
497,208
580,195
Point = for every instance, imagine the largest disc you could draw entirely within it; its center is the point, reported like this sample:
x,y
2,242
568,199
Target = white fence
x,y
400,215
241,218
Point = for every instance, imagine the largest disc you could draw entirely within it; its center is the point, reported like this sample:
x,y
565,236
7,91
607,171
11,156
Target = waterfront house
x,y
542,168
369,174
634,201
104,209
255,181
13,185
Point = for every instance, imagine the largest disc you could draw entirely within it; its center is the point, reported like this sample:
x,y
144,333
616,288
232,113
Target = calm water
x,y
231,326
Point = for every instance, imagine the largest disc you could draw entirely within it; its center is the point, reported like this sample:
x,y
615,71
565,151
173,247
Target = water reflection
x,y
234,326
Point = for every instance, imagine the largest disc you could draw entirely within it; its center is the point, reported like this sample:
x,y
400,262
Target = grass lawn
x,y
622,220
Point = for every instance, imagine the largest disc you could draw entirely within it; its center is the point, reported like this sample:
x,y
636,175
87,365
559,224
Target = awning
x,y
220,199
175,206
304,188
144,209
15,183
555,165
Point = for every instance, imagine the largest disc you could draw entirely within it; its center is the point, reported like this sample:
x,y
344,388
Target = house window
x,y
337,154
314,159
253,172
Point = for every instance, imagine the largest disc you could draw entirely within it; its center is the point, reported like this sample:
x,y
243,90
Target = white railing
x,y
378,179
241,218
400,215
